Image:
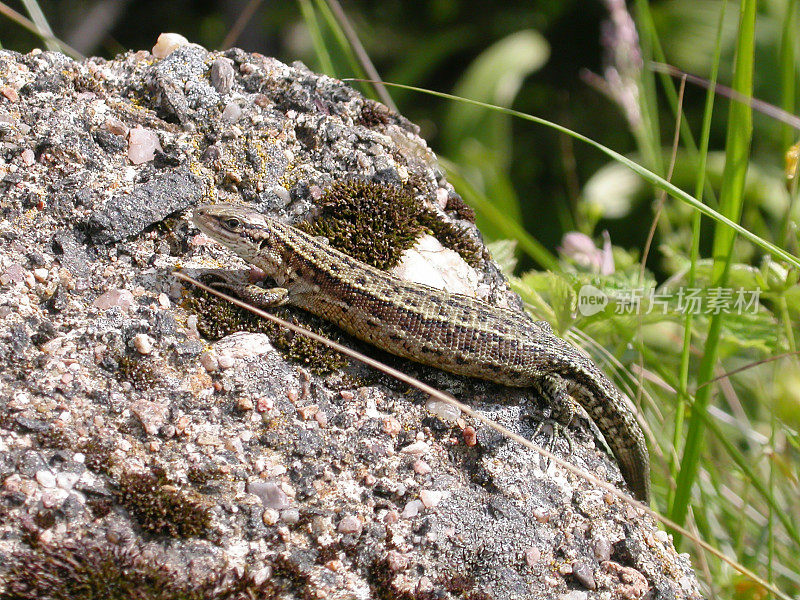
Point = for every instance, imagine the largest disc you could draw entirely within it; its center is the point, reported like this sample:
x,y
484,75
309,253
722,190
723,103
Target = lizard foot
x,y
558,430
236,285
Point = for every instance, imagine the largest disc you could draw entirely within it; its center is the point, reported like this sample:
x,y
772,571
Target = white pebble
x,y
443,410
116,297
142,145
66,480
143,343
209,362
270,516
416,449
231,113
46,479
225,360
431,498
412,509
28,157
167,43
421,467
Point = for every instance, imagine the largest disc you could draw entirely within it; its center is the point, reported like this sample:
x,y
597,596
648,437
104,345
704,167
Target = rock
x,y
326,483
142,145
46,479
222,75
152,415
350,525
168,43
272,496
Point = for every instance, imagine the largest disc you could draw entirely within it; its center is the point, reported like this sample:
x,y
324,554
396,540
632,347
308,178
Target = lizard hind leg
x,y
563,409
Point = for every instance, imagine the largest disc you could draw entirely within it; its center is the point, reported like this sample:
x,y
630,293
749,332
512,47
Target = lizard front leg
x,y
248,292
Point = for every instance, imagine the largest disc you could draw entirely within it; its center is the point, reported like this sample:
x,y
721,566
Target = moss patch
x,y
217,318
136,370
377,222
161,508
94,571
372,222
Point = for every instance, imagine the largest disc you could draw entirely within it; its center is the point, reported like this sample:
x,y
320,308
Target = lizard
x,y
452,332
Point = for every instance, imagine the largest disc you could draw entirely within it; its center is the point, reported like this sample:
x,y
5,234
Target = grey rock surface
x,y
125,433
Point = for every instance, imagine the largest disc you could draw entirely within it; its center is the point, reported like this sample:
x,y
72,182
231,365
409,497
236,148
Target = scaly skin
x,y
451,332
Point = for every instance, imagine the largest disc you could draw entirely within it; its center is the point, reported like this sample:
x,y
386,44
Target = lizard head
x,y
251,235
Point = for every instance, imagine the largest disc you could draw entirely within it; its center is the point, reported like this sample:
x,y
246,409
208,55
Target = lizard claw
x,y
558,430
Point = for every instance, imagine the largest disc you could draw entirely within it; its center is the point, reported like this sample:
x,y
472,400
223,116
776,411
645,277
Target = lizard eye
x,y
232,223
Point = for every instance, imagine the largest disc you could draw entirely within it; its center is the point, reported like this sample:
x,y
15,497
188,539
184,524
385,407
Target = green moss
x,y
216,319
462,210
202,475
372,222
93,571
451,237
377,222
138,372
374,114
161,508
98,457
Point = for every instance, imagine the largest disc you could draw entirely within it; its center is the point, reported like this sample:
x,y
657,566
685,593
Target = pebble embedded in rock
x,y
272,496
142,145
243,344
584,574
391,426
602,549
350,524
416,449
421,467
116,126
209,362
431,498
225,360
307,412
412,509
270,516
167,43
470,436
532,556
396,561
143,343
46,479
152,415
290,516
118,297
231,113
222,75
444,410
66,480
28,157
